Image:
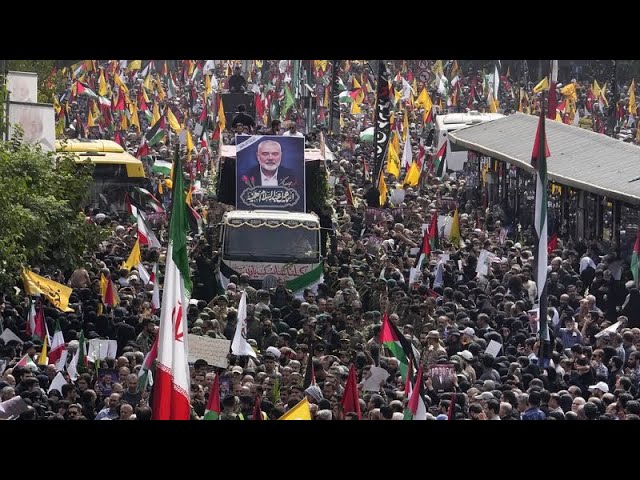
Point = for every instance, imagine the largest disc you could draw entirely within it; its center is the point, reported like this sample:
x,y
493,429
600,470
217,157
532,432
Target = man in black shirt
x,y
243,118
237,83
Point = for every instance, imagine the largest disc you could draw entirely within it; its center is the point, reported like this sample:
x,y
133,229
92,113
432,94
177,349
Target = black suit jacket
x,y
284,174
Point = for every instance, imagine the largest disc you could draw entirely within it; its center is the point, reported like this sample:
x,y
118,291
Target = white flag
x,y
240,346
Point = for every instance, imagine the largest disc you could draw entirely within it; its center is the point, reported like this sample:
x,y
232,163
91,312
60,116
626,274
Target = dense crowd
x,y
449,314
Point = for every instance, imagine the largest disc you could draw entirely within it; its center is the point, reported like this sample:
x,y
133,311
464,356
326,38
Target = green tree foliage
x,y
42,223
48,83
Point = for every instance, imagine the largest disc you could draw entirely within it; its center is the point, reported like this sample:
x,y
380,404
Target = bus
x,y
271,246
455,121
116,174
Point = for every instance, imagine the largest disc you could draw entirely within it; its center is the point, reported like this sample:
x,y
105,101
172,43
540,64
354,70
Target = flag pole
x,y
540,221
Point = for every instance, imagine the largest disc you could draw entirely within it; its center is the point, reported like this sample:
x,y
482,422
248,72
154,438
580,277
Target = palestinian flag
x,y
171,395
539,162
145,377
82,88
416,408
398,345
57,346
27,361
440,161
213,405
163,167
635,259
434,236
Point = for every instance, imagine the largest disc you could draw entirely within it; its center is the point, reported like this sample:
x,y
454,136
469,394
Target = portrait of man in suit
x,y
269,171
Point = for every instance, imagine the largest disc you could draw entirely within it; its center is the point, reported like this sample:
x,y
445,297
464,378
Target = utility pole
x,y
613,101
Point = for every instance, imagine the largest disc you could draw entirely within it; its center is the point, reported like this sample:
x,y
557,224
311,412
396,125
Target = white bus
x,y
270,246
455,121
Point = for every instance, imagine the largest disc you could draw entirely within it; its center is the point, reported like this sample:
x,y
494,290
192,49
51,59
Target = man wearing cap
x,y
434,349
599,389
468,336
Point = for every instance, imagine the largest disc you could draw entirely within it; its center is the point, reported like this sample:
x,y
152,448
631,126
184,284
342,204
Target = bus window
x,y
271,244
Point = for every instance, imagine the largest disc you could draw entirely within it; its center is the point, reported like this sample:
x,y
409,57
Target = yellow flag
x,y
405,125
135,121
156,114
104,283
145,97
454,235
159,89
323,65
413,175
147,82
596,89
633,108
569,91
325,104
454,70
189,146
393,162
301,411
355,109
124,124
356,83
120,83
102,84
55,292
397,95
437,67
173,121
222,120
207,86
424,100
192,66
42,356
90,120
395,142
134,65
542,85
134,258
382,188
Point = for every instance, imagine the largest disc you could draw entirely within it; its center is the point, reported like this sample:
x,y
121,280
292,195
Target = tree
x,y
42,223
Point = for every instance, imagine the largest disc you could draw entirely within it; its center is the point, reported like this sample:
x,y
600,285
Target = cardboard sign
x,y
213,350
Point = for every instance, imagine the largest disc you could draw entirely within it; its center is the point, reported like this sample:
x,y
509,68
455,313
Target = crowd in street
x,y
452,313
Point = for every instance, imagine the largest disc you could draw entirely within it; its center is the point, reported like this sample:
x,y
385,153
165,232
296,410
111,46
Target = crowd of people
x,y
451,314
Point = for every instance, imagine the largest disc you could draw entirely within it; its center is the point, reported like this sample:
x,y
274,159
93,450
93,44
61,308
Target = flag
x,y
382,188
425,250
57,346
539,162
412,178
28,362
120,83
39,331
55,292
222,120
146,235
145,376
110,294
635,259
163,167
633,108
155,295
440,162
240,346
212,411
424,101
434,235
31,318
407,155
382,114
301,411
134,65
417,410
454,235
553,243
257,411
309,375
173,121
134,257
171,396
102,84
82,362
542,85
393,162
350,399
42,356
397,344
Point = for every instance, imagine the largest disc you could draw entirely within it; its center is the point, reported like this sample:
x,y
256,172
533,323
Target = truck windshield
x,y
271,244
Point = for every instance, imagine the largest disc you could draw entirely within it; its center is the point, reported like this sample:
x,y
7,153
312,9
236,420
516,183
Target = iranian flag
x,y
539,162
57,347
213,405
397,344
171,396
635,259
146,235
